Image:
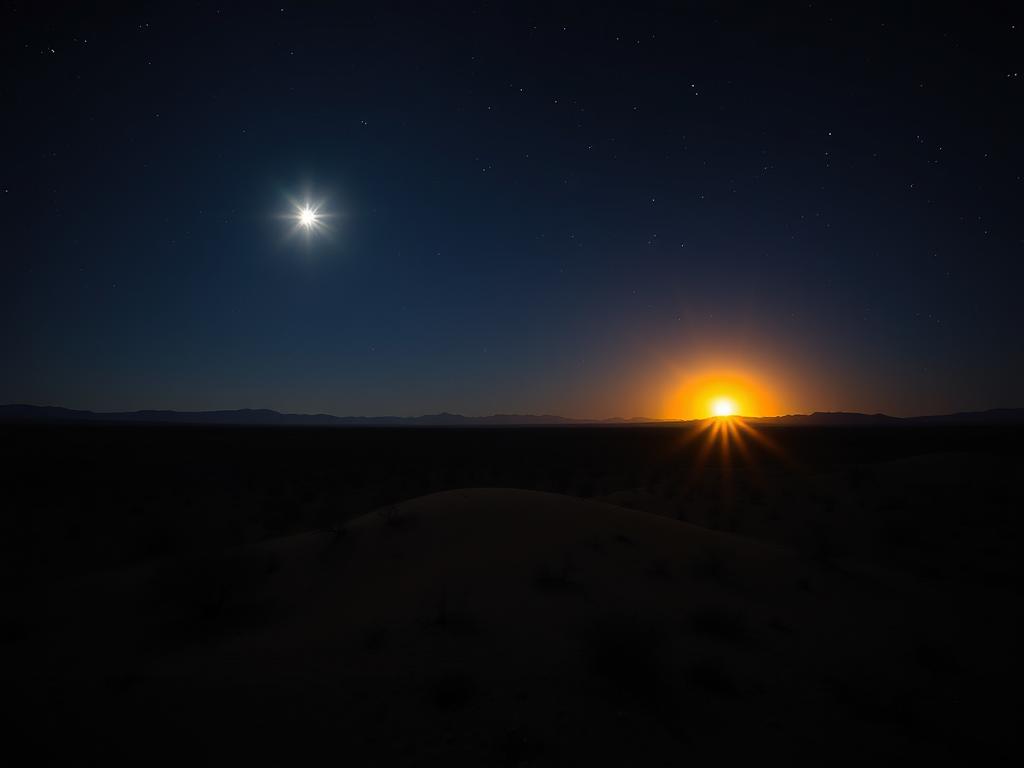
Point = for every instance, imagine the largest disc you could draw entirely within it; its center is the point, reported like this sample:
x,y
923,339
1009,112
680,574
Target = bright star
x,y
307,217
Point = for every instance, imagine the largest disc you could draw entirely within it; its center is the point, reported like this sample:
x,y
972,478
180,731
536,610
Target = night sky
x,y
575,211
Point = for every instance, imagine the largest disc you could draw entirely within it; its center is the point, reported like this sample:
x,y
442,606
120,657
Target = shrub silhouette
x,y
718,623
626,656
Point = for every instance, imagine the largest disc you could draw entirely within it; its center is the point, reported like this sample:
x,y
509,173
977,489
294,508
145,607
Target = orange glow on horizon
x,y
721,393
723,406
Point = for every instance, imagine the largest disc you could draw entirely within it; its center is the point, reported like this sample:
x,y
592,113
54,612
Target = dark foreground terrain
x,y
542,596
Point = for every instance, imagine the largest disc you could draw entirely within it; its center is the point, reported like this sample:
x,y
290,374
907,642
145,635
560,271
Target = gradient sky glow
x,y
582,211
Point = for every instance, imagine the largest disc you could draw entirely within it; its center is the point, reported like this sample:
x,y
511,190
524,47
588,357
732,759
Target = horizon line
x,y
535,417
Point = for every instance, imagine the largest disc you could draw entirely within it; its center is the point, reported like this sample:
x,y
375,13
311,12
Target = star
x,y
308,217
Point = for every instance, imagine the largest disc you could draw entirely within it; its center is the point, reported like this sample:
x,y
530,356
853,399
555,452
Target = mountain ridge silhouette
x,y
25,413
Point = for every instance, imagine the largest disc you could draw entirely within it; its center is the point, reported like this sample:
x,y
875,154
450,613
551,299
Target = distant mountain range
x,y
842,419
265,417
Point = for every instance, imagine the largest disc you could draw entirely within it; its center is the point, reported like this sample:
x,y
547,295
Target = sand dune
x,y
512,627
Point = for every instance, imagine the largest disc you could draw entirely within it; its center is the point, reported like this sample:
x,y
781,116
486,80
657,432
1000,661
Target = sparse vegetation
x,y
454,691
661,569
451,621
376,639
519,747
710,675
710,566
393,516
626,654
558,579
719,623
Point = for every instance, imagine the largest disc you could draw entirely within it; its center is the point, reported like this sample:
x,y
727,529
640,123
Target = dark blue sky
x,y
563,211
